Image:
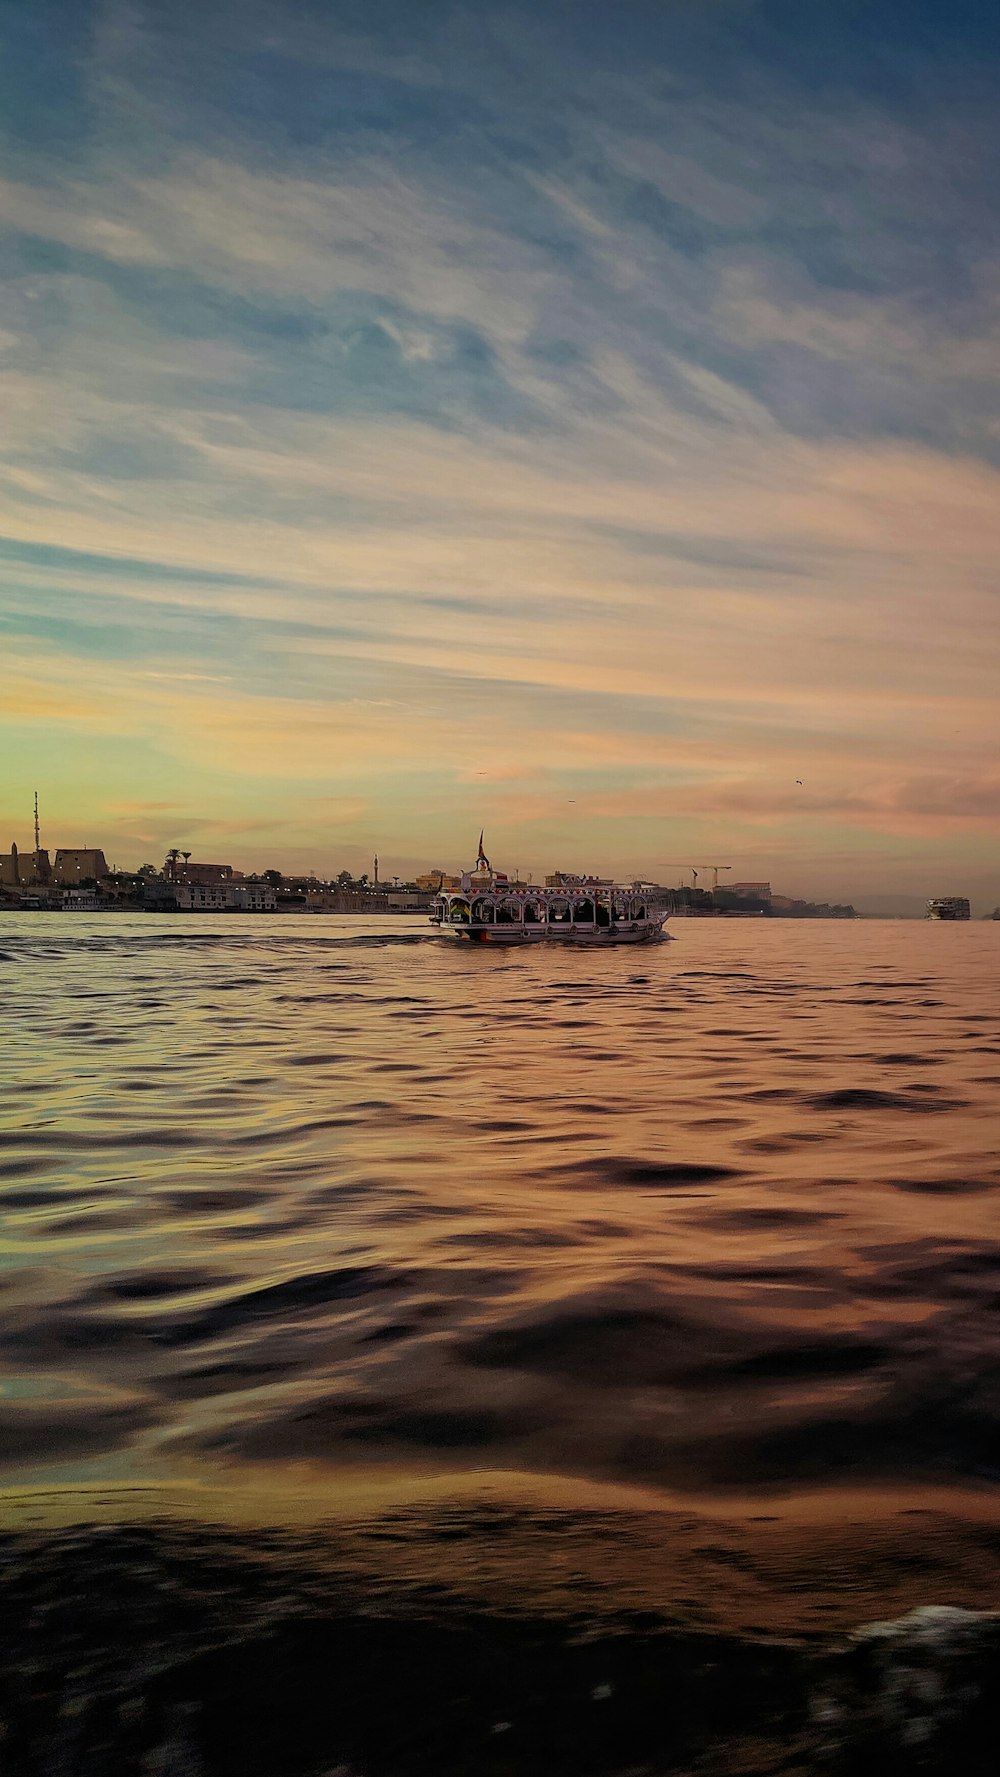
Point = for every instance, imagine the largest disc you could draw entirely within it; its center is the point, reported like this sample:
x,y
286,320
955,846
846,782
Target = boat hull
x,y
571,937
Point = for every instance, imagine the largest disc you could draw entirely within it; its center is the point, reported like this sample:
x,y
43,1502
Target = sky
x,y
579,421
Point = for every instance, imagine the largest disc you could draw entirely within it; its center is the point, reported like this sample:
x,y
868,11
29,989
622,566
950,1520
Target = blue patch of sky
x,y
348,355
816,395
253,68
51,555
881,48
127,455
98,625
176,302
45,107
305,107
557,354
515,93
247,78
363,366
30,255
118,609
206,637
471,697
94,624
712,553
871,46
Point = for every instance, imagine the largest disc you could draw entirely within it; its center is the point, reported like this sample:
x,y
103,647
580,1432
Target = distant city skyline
x,y
892,904
570,419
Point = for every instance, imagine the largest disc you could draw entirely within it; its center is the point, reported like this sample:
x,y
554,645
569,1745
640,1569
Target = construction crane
x,y
694,869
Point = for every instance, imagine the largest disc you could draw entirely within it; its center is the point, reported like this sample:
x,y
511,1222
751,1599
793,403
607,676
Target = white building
x,y
253,897
225,897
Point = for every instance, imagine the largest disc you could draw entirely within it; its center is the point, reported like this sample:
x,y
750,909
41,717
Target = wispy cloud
x,y
589,424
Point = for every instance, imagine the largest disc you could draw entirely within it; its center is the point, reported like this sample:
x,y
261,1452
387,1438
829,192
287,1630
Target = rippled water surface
x,y
719,1214
350,1278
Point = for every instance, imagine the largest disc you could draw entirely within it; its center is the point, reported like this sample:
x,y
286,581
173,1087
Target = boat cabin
x,y
539,907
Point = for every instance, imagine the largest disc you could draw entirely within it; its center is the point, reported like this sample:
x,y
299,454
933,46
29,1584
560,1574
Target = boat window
x,y
638,910
533,914
559,913
603,913
460,913
482,912
583,913
509,913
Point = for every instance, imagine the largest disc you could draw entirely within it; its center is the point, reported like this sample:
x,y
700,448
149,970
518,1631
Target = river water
x,y
659,1279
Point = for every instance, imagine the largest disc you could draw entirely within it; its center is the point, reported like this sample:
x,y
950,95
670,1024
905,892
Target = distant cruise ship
x,y
949,907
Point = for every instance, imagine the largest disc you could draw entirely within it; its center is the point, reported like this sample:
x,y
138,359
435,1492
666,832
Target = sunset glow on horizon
x,y
571,420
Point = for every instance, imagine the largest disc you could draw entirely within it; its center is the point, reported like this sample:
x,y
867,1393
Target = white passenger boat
x,y
484,907
949,907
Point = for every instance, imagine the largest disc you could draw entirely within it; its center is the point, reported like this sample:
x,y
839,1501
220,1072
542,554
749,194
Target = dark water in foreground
x,y
359,1291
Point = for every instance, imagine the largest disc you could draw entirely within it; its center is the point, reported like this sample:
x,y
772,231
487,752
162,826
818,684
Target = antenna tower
x,y
37,840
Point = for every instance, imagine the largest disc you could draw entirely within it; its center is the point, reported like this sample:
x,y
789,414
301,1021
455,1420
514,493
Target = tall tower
x,y
376,869
40,867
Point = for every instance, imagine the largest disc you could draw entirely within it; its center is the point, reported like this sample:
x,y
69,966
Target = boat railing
x,y
530,905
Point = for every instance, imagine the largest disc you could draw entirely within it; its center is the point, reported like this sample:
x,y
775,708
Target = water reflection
x,y
333,1193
